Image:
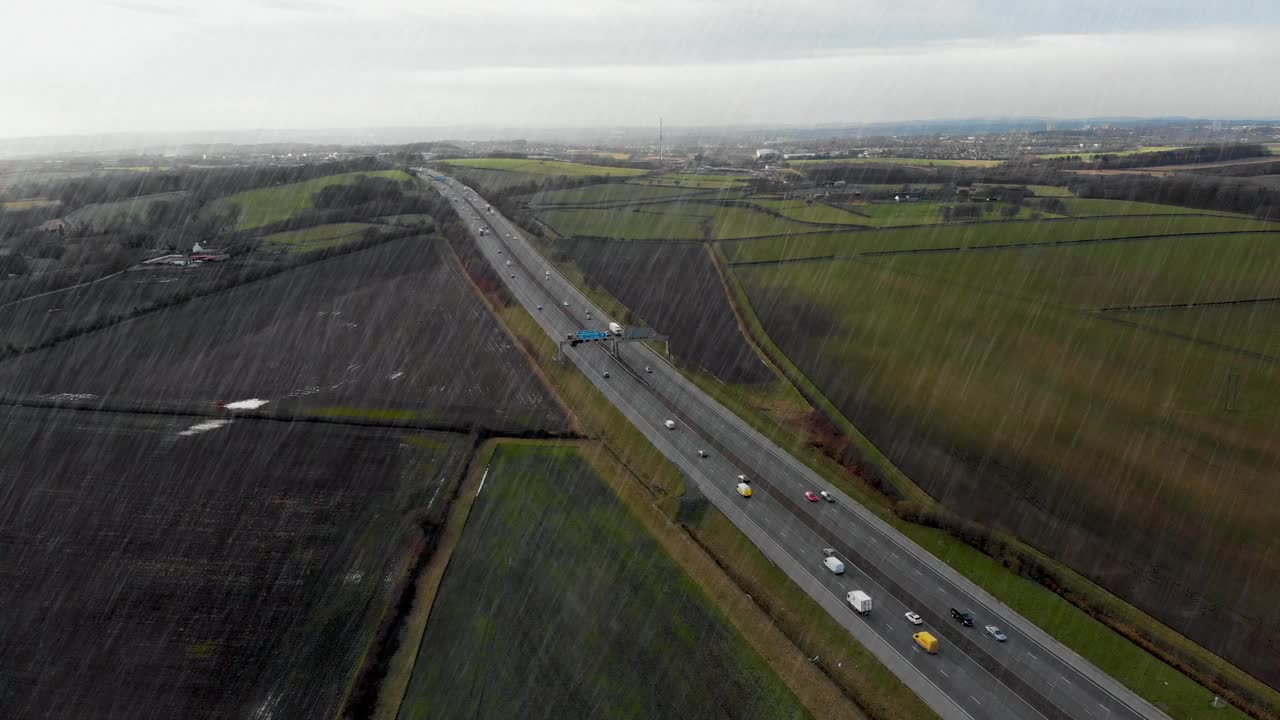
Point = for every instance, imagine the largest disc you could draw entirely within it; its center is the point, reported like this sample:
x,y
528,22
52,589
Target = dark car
x,y
965,618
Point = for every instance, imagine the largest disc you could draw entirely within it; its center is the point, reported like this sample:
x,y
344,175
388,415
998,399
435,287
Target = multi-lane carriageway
x,y
973,676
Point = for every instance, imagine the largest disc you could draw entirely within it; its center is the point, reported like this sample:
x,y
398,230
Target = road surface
x,y
973,676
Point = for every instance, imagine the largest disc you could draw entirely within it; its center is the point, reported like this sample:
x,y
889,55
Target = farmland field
x,y
898,161
990,381
315,238
925,213
544,168
696,180
1252,327
316,336
237,572
264,206
33,321
1158,271
26,204
1082,207
815,213
673,288
676,220
1050,191
557,603
972,235
121,212
608,193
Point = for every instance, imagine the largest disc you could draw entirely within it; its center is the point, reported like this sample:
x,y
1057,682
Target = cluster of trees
x,y
1195,191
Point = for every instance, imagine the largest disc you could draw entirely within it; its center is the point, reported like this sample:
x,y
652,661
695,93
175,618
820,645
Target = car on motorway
x,y
808,495
648,369
996,633
827,496
702,453
964,618
606,373
927,642
508,263
913,618
743,479
671,424
566,303
744,490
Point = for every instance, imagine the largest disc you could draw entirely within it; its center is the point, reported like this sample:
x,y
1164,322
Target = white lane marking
x,y
918,573
1033,657
975,699
482,479
944,673
888,627
1064,680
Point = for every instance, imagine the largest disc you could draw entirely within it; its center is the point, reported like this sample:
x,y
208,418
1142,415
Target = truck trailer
x,y
860,602
615,328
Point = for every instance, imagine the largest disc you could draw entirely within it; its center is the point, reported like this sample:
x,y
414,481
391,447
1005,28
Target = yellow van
x,y
926,641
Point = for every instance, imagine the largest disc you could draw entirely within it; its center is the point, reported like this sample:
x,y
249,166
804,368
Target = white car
x,y
508,263
827,496
743,479
671,424
913,618
996,633
702,453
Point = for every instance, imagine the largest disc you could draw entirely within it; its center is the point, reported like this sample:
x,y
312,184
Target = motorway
x,y
973,676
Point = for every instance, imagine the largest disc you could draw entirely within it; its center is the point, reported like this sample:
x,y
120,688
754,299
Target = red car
x,y
808,495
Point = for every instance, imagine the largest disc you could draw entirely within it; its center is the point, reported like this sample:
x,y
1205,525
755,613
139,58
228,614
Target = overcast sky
x,y
90,66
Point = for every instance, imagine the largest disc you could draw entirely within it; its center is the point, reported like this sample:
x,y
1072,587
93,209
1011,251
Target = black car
x,y
965,618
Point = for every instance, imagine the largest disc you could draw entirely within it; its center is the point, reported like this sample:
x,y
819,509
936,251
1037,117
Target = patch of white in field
x,y
396,375
71,396
251,404
205,426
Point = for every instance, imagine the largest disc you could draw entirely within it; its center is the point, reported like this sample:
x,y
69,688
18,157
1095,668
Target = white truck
x,y
834,564
860,602
615,328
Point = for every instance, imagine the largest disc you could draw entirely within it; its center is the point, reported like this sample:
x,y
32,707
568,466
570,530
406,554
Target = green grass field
x,y
1159,271
979,234
123,211
1123,153
925,213
1087,207
816,212
25,204
316,238
544,168
696,180
558,599
1109,447
608,193
1050,191
686,220
897,161
1253,327
264,206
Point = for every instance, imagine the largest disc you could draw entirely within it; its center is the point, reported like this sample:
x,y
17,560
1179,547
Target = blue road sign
x,y
592,335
